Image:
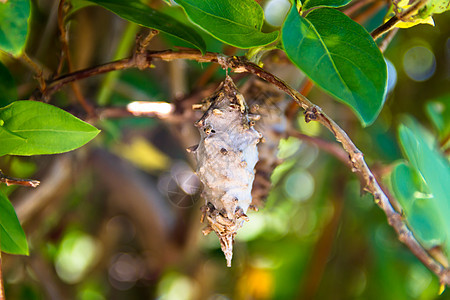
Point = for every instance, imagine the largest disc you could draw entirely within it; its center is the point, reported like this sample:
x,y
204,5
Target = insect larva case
x,y
226,157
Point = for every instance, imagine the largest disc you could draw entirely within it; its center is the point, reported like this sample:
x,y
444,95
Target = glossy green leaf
x,y
438,111
433,171
44,129
8,90
9,141
237,23
340,56
12,237
307,4
14,16
139,13
418,206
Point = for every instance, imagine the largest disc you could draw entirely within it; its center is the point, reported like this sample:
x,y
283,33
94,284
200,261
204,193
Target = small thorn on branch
x,y
17,181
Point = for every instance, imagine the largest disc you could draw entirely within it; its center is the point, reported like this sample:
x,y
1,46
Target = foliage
x,y
340,56
122,207
34,128
13,239
8,91
141,14
308,4
421,188
235,23
14,17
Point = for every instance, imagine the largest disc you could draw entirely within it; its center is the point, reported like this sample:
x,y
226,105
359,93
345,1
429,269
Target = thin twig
x,y
312,113
2,288
138,60
17,181
382,29
387,39
39,73
65,48
145,42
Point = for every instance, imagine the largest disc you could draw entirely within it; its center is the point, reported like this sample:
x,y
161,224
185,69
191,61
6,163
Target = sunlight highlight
x,y
160,109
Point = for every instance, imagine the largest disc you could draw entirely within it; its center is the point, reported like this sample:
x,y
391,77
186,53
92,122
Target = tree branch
x,y
17,181
139,60
312,113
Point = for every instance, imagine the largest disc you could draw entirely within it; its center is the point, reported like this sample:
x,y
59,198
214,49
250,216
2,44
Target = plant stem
x,y
65,48
18,181
37,70
2,288
139,60
382,29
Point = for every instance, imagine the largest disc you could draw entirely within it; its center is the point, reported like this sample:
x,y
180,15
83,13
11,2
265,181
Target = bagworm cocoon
x,y
226,157
266,103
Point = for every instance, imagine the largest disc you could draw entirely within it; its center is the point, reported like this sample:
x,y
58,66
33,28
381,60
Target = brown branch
x,y
138,60
145,41
387,39
65,49
17,181
312,113
2,288
39,73
390,24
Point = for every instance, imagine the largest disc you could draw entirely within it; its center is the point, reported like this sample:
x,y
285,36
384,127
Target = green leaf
x,y
237,23
432,169
307,4
8,90
14,15
139,13
434,7
9,141
44,129
12,237
418,206
340,56
438,111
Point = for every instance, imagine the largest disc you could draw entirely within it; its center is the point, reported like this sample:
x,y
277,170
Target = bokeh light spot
x,y
299,185
76,254
419,63
275,11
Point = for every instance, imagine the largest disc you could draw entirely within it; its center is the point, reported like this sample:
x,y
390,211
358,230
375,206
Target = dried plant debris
x,y
270,103
226,157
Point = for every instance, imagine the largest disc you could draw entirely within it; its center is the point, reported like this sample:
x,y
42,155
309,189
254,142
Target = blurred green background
x,y
120,217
